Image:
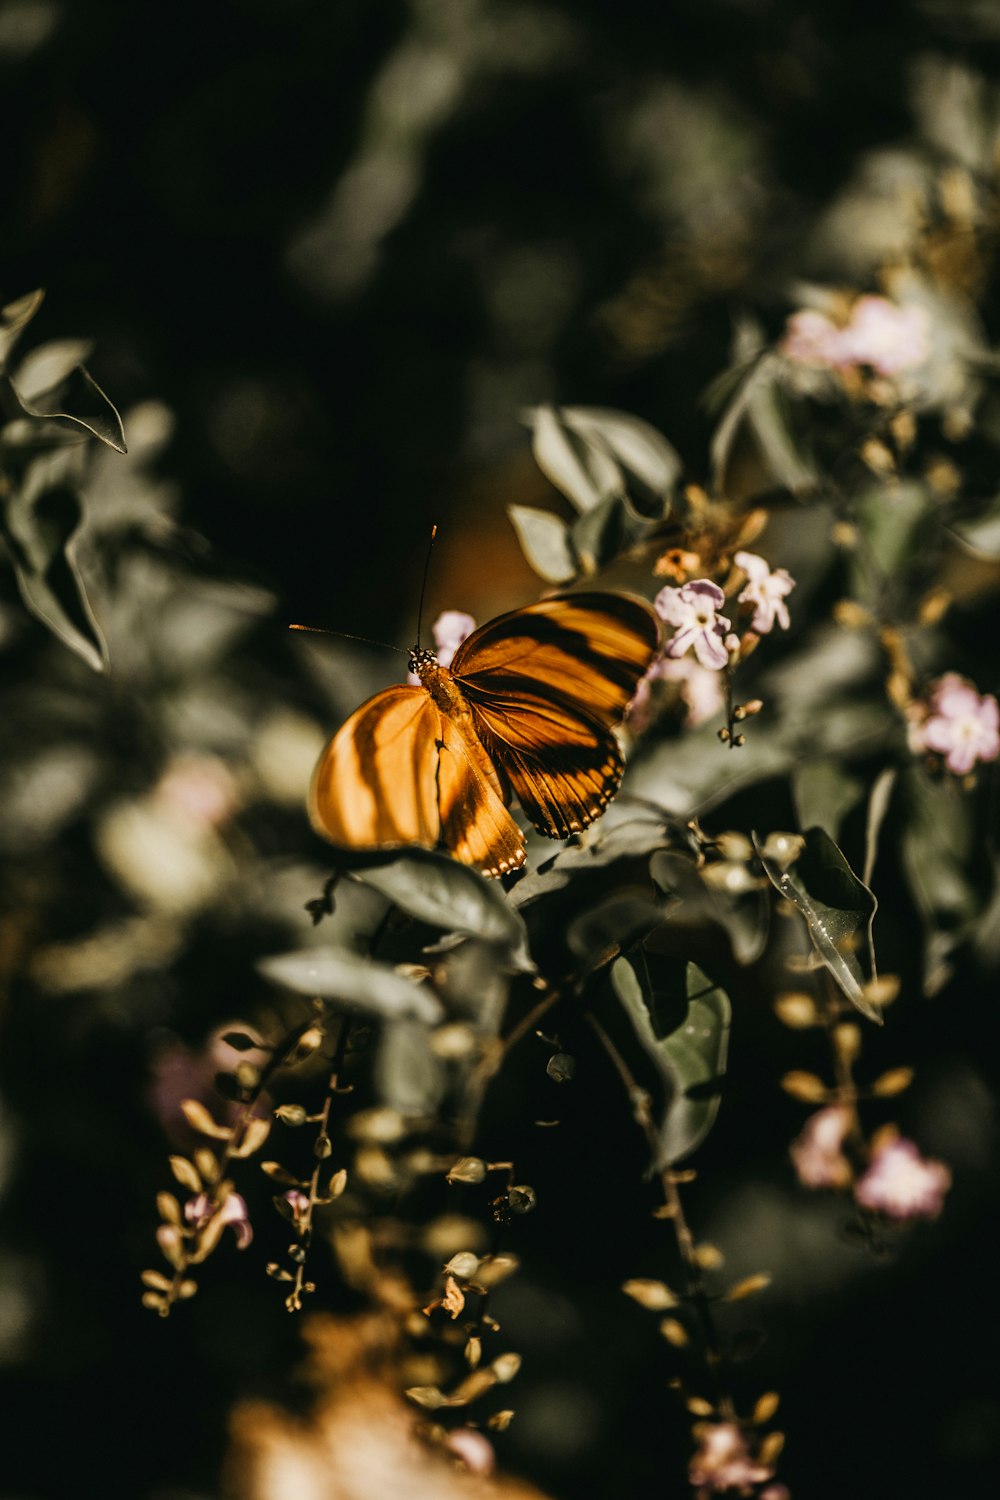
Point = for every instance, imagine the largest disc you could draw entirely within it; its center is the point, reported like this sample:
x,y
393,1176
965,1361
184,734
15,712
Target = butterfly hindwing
x,y
545,685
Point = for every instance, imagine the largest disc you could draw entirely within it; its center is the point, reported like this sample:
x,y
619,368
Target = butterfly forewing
x,y
398,772
586,651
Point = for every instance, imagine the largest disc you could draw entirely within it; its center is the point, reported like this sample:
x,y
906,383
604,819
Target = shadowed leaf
x,y
691,1058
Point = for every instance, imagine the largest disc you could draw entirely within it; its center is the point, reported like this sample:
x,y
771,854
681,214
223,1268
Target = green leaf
x,y
824,791
945,857
599,535
980,534
691,1059
893,523
14,318
648,464
46,367
743,917
438,890
838,909
78,402
337,974
583,472
407,1075
614,923
545,542
40,530
878,805
756,407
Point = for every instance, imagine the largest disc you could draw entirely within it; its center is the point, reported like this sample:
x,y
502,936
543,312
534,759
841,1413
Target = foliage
x,y
364,1063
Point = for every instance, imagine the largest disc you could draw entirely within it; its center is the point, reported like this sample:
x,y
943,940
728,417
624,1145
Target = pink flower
x,y
475,1450
201,1211
957,723
812,338
902,1184
179,1072
879,333
766,591
449,630
693,611
816,1155
886,336
723,1461
198,789
700,689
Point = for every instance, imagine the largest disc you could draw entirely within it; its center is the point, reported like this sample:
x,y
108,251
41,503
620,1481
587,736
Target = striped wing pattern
x,y
399,772
529,706
546,684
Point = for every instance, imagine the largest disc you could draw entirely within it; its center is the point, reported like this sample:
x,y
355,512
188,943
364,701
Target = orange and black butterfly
x,y
527,709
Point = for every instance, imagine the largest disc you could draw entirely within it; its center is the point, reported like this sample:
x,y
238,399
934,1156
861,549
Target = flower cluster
x,y
879,334
703,643
897,1181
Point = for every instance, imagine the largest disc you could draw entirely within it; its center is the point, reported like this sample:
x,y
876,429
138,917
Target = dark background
x,y
346,243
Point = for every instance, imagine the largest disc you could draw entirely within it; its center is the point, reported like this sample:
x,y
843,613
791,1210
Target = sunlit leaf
x,y
77,402
15,317
584,472
545,542
878,805
336,974
45,368
838,909
647,460
691,1059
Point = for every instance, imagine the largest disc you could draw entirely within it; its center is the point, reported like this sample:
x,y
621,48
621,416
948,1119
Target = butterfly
x,y
527,709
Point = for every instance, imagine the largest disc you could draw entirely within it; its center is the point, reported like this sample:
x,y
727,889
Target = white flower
x,y
766,591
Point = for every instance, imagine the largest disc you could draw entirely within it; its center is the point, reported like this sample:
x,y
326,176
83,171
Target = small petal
x,y
723,1461
765,590
450,629
902,1184
817,1155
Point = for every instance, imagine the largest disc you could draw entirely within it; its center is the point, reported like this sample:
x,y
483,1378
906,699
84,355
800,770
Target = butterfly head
x,y
421,662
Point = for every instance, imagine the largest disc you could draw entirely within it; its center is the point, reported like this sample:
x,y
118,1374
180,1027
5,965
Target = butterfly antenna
x,y
344,636
423,586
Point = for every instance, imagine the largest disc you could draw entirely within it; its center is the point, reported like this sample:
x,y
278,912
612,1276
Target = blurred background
x,y
327,253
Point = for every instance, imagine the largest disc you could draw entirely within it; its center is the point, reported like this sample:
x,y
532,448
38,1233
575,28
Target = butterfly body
x,y
527,708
